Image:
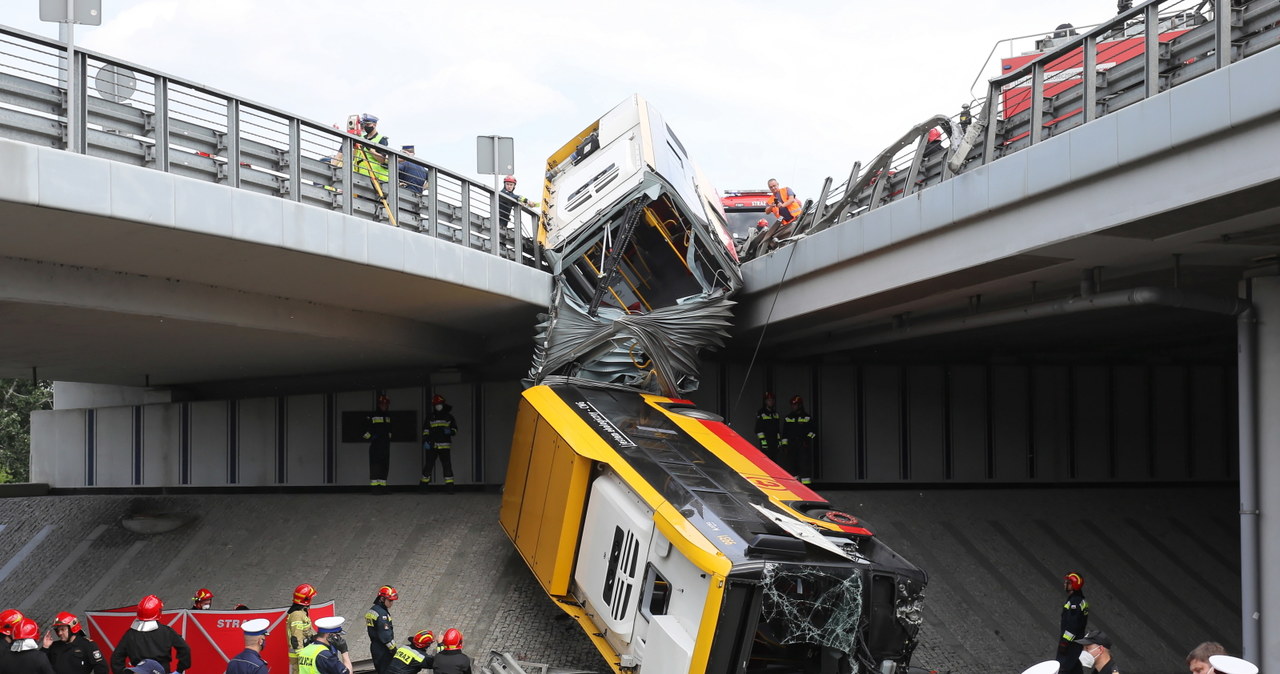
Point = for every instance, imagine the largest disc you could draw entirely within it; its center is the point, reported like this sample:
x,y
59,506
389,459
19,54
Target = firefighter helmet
x,y
202,595
26,629
69,620
388,592
1073,581
423,639
797,400
768,396
437,399
509,179
934,135
303,593
8,619
149,608
762,223
452,639
383,399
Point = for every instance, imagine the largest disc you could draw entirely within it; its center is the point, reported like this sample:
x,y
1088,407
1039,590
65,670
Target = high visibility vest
x,y
367,163
307,658
785,194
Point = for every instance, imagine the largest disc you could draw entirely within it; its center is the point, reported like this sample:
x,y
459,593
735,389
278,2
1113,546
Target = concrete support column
x,y
1266,301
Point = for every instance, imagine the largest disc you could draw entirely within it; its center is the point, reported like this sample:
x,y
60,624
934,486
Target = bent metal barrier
x,y
1074,79
126,113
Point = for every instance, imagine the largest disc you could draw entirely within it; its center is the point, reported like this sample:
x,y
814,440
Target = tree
x,y
18,399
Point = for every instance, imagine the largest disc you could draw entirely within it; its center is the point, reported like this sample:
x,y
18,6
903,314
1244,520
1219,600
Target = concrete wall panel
x,y
1051,418
256,441
1211,455
1091,422
501,400
967,396
114,443
209,464
926,423
1011,435
304,440
1132,422
161,444
1172,419
882,413
838,430
58,447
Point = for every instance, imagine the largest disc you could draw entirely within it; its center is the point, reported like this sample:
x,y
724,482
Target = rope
x,y
763,329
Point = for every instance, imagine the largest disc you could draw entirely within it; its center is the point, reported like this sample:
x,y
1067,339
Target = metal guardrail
x,y
127,113
1078,78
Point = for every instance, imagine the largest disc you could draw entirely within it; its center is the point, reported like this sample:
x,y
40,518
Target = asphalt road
x,y
1161,565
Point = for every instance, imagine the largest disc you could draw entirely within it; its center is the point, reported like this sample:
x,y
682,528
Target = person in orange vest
x,y
784,204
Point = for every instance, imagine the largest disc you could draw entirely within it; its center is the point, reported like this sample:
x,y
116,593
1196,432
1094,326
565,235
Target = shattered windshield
x,y
805,604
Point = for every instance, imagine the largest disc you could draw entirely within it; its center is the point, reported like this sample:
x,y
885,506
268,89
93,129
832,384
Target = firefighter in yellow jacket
x,y
298,622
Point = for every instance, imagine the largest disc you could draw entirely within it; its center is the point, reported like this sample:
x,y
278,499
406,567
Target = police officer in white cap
x,y
319,657
1227,664
250,659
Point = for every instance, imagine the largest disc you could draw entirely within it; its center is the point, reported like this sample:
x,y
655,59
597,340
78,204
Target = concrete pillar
x,y
1266,301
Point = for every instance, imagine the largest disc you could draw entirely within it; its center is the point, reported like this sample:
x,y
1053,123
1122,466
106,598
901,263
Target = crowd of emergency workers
x,y
150,646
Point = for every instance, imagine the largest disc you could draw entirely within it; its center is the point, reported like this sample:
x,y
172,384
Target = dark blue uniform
x,y
378,621
248,662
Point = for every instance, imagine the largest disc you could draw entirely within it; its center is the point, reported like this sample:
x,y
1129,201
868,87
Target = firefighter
x,y
298,622
149,638
250,661
1075,618
451,660
319,657
437,441
73,652
25,656
378,433
783,204
203,600
9,619
368,161
382,637
768,426
415,656
798,440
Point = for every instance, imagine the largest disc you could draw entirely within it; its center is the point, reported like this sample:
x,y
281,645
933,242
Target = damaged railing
x,y
126,113
1077,78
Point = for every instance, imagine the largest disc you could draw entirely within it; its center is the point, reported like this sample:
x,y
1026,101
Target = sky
x,y
795,91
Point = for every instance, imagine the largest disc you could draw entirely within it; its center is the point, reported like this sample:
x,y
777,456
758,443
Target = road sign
x,y
495,155
86,12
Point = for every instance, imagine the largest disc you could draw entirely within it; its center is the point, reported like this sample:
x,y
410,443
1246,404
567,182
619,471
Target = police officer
x,y
768,426
382,638
378,432
148,638
319,657
452,660
1075,619
203,600
73,652
417,655
437,441
26,656
250,661
798,437
368,161
298,622
1096,653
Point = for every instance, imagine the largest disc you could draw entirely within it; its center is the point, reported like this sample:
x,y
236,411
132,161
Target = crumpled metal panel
x,y
655,352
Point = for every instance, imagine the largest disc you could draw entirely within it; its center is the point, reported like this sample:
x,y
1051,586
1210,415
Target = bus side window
x,y
657,592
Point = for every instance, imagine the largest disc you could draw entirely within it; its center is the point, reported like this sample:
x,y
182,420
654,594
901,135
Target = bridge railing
x,y
1077,78
126,113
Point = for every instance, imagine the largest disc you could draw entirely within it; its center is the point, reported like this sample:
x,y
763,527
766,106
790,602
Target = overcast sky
x,y
797,91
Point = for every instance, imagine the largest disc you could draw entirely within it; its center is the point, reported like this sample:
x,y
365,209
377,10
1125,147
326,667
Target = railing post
x,y
1223,11
433,202
466,212
348,174
77,125
160,124
1089,79
392,193
232,142
1151,49
1036,121
294,155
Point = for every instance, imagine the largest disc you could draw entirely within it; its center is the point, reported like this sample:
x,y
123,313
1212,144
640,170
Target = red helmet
x,y
762,223
797,400
934,134
8,619
768,396
509,179
68,619
437,399
26,629
452,639
149,608
1074,581
423,639
388,592
383,399
202,595
303,594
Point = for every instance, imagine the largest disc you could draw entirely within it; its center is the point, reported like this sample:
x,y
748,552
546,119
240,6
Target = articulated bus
x,y
677,546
